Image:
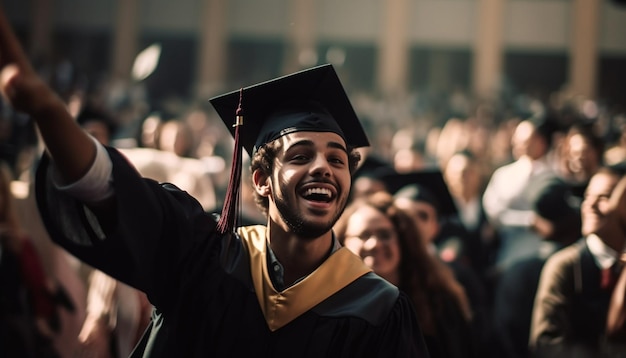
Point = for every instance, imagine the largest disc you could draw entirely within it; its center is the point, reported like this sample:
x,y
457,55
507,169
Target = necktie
x,y
608,277
617,308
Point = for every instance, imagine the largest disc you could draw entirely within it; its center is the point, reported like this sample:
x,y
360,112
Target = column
x,y
301,50
393,57
583,65
125,39
212,48
488,48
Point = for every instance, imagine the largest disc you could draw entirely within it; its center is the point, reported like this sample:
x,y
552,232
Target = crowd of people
x,y
500,225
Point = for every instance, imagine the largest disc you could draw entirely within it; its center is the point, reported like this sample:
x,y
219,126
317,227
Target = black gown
x,y
212,296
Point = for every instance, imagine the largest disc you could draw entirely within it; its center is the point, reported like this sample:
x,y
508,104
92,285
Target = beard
x,y
296,221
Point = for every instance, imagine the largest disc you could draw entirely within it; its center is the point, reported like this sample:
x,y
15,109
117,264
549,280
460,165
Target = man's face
x,y
527,142
310,183
581,156
595,208
463,177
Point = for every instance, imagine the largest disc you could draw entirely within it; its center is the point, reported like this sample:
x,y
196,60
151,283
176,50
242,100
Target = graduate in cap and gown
x,y
282,289
385,236
425,195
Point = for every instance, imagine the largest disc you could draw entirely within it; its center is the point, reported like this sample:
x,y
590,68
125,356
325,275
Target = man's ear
x,y
261,183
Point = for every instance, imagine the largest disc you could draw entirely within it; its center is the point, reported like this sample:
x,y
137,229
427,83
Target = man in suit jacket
x,y
576,284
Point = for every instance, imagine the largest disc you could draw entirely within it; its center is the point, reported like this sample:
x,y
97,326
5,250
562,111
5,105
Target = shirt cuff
x,y
97,184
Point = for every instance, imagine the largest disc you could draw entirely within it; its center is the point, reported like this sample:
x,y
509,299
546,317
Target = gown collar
x,y
281,307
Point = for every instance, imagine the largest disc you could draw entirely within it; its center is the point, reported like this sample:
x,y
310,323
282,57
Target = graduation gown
x,y
213,296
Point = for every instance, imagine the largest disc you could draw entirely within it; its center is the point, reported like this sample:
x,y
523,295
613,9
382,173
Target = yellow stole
x,y
280,308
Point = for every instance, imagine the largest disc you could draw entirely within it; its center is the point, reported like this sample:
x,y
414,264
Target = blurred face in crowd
x,y
595,208
407,160
424,215
366,185
174,137
462,177
372,236
527,142
150,131
582,158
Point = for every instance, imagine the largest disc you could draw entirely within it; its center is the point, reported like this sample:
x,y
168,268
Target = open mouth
x,y
324,195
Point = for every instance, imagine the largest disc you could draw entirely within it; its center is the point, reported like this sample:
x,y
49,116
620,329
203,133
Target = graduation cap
x,y
372,166
552,199
310,100
423,185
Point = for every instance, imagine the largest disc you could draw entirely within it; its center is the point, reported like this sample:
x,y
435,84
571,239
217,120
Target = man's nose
x,y
320,166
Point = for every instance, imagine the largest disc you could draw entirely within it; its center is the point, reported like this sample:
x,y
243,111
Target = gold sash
x,y
280,308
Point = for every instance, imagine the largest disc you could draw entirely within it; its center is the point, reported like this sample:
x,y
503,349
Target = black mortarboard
x,y
423,185
373,166
310,100
552,199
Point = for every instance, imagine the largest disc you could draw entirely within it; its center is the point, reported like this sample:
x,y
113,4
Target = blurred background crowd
x,y
511,104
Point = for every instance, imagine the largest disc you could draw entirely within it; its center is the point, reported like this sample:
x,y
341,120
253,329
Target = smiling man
x,y
282,289
574,293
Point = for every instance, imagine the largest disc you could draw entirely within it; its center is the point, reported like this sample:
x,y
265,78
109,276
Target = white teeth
x,y
319,191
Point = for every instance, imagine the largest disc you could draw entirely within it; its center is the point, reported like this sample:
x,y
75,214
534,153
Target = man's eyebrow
x,y
302,143
310,143
337,145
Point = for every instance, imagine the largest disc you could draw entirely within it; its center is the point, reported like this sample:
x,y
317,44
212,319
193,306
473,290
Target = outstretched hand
x,y
20,85
70,147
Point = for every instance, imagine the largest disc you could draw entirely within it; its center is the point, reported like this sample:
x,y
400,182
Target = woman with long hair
x,y
388,241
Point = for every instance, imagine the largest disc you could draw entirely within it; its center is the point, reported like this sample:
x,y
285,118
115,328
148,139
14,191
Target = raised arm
x,y
69,146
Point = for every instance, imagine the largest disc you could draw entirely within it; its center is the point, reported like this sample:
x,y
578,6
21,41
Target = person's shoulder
x,y
506,167
561,263
501,174
369,297
567,255
381,288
